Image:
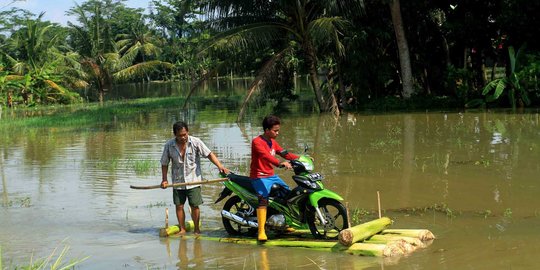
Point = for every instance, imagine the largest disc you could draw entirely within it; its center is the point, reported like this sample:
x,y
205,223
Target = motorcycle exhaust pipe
x,y
232,217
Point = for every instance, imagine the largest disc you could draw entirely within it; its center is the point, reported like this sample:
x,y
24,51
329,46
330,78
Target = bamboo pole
x,y
379,203
182,184
166,217
386,238
421,234
363,231
376,250
363,249
390,249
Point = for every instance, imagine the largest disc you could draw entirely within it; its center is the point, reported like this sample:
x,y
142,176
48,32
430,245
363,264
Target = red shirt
x,y
263,157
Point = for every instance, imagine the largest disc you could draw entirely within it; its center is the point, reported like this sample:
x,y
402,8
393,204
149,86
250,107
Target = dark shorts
x,y
193,196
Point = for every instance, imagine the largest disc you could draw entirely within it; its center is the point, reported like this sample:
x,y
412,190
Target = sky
x,y
55,9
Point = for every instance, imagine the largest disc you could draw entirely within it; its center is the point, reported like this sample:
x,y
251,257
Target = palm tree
x,y
102,62
36,63
300,26
139,45
92,39
403,48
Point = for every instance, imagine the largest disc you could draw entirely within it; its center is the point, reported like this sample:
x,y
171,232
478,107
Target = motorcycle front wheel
x,y
335,219
236,206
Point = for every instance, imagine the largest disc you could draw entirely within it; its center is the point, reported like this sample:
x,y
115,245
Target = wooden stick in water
x,y
379,202
166,217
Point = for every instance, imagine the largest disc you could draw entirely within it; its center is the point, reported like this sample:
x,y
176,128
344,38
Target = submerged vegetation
x,y
52,262
83,115
18,202
359,215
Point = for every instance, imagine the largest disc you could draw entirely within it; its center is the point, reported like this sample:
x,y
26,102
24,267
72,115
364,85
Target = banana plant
x,y
7,84
510,84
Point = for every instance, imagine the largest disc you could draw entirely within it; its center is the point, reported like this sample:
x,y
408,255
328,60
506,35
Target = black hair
x,y
270,121
179,126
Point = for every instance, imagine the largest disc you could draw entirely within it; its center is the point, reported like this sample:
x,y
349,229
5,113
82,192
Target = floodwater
x,y
469,177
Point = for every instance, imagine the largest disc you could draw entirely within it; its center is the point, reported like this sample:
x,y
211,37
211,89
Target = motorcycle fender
x,y
224,193
325,193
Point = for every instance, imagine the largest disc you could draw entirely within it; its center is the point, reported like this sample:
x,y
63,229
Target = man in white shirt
x,y
185,153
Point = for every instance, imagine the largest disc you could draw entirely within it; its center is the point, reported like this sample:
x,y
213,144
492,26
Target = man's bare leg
x,y
181,216
195,216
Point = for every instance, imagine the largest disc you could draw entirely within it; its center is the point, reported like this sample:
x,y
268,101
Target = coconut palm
x,y
103,60
36,63
140,45
403,48
300,26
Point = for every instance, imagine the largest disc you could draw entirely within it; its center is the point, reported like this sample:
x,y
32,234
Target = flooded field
x,y
471,178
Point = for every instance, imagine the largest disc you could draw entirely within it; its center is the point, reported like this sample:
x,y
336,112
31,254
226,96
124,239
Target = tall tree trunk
x,y
403,49
9,99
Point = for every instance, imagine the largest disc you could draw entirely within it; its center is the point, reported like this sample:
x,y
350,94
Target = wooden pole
x,y
348,216
182,184
166,217
379,203
421,234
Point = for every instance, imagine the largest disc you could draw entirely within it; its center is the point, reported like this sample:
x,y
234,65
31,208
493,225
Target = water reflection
x,y
5,198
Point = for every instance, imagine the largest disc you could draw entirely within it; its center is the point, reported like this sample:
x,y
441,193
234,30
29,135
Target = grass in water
x,y
157,204
109,165
49,262
142,167
87,114
18,202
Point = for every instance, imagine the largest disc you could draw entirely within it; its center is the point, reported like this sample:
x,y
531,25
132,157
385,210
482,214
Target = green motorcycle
x,y
307,206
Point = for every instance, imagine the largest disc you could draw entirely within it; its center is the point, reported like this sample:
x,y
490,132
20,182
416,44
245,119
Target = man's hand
x,y
286,164
164,184
224,170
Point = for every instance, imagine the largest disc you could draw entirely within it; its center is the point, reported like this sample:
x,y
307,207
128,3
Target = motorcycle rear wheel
x,y
236,206
335,216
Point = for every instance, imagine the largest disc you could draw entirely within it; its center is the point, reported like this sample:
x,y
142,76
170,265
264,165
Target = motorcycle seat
x,y
243,181
278,191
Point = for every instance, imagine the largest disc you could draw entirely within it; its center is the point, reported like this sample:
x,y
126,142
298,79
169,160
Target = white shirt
x,y
187,168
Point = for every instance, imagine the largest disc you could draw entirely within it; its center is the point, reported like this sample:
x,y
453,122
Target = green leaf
x,y
512,56
499,89
490,86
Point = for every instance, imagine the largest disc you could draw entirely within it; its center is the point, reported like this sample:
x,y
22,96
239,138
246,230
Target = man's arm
x,y
284,153
218,164
164,182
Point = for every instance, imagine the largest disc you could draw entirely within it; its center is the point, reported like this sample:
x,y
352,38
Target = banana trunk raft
x,y
367,239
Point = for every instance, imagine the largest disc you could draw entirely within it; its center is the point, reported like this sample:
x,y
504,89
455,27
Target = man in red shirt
x,y
263,151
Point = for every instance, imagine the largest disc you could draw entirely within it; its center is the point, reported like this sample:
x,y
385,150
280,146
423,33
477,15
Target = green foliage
x,y
23,202
52,262
359,216
35,65
486,213
157,204
459,80
350,43
507,213
143,167
515,85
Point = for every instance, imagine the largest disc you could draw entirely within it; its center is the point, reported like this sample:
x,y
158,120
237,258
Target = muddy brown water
x,y
472,178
